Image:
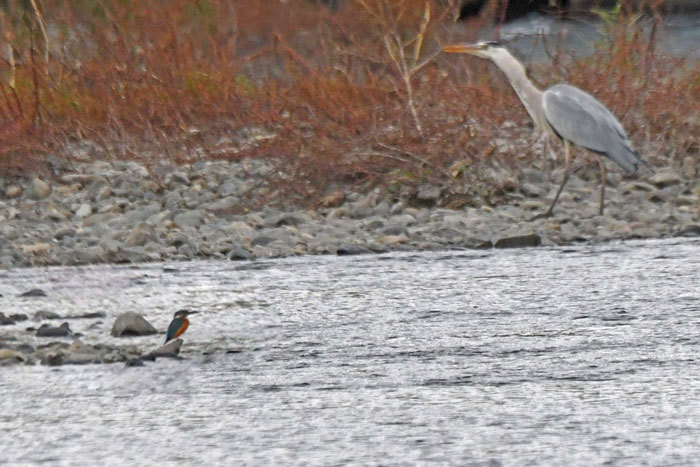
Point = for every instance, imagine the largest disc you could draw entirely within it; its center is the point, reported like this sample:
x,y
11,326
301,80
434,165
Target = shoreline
x,y
122,212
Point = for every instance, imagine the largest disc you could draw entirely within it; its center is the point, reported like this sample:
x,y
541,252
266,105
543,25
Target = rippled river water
x,y
578,355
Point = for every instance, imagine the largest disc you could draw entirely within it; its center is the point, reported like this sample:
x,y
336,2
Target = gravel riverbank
x,y
100,212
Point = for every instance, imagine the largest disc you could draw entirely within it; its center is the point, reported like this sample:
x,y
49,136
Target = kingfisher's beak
x,y
192,312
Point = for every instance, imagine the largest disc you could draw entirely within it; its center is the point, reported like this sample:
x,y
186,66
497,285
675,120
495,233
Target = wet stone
x,y
131,324
47,331
33,293
519,241
134,362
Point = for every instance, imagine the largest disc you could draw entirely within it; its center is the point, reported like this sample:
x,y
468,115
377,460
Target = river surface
x,y
580,355
536,36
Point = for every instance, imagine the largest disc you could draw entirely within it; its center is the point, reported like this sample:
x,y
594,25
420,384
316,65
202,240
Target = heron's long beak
x,y
461,49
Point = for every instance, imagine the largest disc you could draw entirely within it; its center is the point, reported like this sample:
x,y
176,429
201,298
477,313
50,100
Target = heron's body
x,y
178,325
566,111
580,118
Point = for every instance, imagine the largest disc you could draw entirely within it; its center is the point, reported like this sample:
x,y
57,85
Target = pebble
x,y
38,189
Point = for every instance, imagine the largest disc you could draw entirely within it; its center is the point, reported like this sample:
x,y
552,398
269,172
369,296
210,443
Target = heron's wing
x,y
582,119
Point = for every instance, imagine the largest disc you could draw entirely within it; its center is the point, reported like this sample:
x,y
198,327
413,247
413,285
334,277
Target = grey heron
x,y
565,111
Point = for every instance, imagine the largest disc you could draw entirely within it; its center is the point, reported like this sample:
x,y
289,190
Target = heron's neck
x,y
529,95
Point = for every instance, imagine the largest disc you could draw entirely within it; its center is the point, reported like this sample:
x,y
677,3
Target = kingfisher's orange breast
x,y
182,329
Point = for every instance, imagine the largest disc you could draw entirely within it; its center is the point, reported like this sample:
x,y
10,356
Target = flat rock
x,y
132,324
133,362
9,357
349,249
392,239
227,204
83,211
169,350
47,331
429,194
691,230
90,315
37,249
519,241
191,218
33,293
44,315
665,178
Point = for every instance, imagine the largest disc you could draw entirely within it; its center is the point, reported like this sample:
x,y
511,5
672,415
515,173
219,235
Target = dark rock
x,y
81,354
47,331
53,359
132,324
136,361
485,244
692,230
25,348
19,317
519,241
33,293
347,250
44,315
262,240
375,224
428,195
91,315
288,219
476,243
238,254
395,230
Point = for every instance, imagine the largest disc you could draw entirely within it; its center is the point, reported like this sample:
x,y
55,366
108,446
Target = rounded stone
x,y
132,324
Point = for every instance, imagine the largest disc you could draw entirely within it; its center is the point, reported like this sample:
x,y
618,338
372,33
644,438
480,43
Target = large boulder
x,y
132,324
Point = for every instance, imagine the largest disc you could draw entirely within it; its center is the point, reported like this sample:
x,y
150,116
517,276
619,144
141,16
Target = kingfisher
x,y
179,324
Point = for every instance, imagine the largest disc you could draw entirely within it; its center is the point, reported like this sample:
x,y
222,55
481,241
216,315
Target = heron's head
x,y
183,313
480,49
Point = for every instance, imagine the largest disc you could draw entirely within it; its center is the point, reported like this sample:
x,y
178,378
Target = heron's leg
x,y
567,167
603,181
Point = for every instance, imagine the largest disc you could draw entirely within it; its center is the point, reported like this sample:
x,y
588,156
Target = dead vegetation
x,y
358,97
